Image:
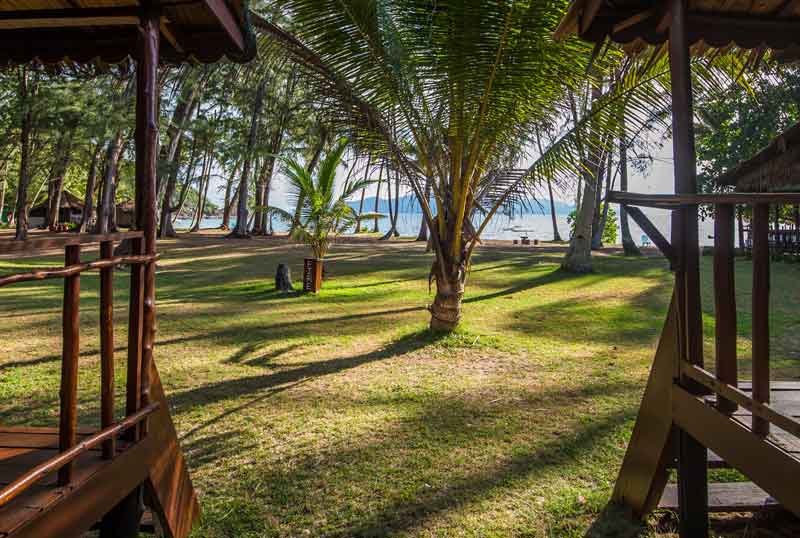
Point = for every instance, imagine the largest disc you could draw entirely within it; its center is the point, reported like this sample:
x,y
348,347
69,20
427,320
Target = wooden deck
x,y
746,496
21,449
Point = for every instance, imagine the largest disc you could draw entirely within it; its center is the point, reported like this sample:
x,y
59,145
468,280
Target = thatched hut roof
x,y
68,201
773,24
53,31
774,168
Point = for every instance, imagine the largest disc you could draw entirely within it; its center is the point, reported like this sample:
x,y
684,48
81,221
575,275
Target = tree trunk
x,y
628,244
390,233
241,211
202,189
25,93
446,307
377,199
230,196
423,228
283,278
363,192
55,188
105,207
2,199
597,235
164,222
556,235
91,186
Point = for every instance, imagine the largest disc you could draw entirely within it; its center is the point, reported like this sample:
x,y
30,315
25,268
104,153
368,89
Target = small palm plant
x,y
324,214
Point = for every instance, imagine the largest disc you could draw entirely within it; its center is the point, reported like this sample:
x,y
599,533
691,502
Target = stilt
x,y
123,520
692,456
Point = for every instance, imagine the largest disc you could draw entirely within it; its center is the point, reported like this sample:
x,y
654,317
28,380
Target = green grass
x,y
341,415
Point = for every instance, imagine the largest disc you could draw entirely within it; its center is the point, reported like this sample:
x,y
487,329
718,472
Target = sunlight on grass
x,y
341,415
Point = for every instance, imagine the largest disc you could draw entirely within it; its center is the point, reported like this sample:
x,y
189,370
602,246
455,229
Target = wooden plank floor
x,y
746,496
20,450
784,398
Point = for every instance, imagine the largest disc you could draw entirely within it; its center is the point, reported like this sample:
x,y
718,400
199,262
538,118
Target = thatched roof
x,y
68,201
52,31
775,168
773,24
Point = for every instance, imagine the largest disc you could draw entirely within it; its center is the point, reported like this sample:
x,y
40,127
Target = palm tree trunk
x,y
390,232
597,235
446,307
423,228
377,199
363,192
556,235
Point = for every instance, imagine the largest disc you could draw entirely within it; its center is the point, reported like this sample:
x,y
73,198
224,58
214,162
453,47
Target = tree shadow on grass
x,y
233,388
425,443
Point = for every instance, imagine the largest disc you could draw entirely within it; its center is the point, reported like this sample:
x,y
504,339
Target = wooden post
x,y
135,322
146,159
107,347
692,456
725,302
759,234
123,521
70,323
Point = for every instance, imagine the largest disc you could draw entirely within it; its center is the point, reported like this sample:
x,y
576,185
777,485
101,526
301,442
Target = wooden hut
x,y
691,416
62,481
69,212
126,214
775,168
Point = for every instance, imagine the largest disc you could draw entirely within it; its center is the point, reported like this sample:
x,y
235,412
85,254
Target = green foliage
x,y
736,124
609,231
324,214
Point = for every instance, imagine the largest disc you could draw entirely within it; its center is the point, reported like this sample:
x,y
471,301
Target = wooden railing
x,y
724,383
138,408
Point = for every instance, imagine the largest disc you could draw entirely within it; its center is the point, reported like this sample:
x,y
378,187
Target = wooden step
x,y
714,462
725,497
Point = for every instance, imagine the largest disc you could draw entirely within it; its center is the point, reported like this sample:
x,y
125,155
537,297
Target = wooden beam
x,y
652,232
70,326
644,470
676,201
63,18
759,410
760,300
226,18
48,242
107,347
766,464
635,19
692,455
147,96
725,302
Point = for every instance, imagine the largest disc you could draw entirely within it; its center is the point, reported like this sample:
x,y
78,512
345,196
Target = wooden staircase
x,y
693,419
63,481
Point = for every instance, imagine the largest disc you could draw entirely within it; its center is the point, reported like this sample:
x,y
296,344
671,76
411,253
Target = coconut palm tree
x,y
323,213
463,83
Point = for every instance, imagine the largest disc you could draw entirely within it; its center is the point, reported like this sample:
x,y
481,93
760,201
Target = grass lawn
x,y
340,415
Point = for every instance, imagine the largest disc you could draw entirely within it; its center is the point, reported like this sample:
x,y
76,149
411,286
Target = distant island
x,y
409,204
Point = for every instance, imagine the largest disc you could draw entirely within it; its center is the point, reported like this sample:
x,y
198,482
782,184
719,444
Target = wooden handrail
x,y
24,482
71,270
759,410
676,201
47,242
